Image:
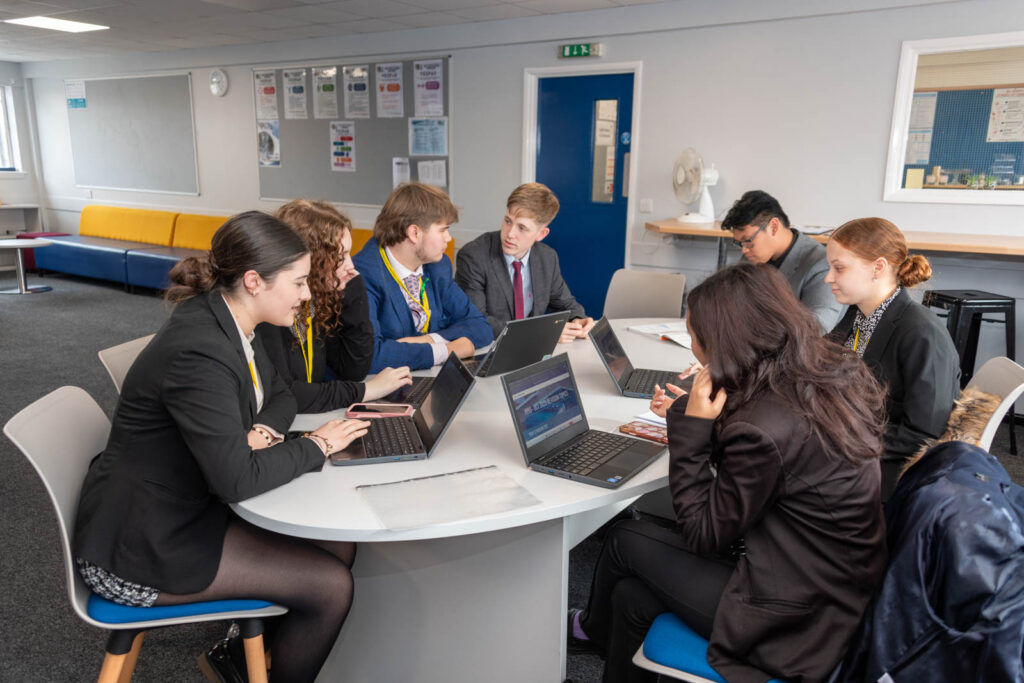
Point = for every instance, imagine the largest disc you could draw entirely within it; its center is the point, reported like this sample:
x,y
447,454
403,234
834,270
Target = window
x,y
9,160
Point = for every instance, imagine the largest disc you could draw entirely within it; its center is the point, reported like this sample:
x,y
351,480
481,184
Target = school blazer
x,y
483,274
154,504
805,268
347,352
813,529
452,314
912,354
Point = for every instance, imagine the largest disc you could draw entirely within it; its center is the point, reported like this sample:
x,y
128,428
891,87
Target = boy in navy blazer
x,y
419,314
510,275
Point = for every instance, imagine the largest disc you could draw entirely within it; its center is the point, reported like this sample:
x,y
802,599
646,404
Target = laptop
x,y
413,437
630,381
554,434
520,343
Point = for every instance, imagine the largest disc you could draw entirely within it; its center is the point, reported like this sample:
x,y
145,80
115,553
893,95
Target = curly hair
x,y
322,227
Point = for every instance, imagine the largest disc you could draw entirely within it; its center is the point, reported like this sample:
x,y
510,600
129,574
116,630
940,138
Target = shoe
x,y
578,646
219,666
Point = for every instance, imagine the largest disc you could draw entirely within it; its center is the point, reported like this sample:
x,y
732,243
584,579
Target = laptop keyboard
x,y
589,453
391,436
420,389
643,380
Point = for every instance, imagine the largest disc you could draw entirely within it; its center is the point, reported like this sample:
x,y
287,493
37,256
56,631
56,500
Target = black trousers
x,y
642,572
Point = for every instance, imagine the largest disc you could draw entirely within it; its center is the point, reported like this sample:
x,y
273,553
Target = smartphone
x,y
365,411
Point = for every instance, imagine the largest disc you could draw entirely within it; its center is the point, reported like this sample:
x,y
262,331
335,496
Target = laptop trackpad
x,y
623,464
354,451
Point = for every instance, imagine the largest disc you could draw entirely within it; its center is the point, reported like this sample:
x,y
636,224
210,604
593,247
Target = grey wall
x,y
780,96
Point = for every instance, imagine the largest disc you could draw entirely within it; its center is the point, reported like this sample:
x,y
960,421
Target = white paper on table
x,y
651,418
681,338
448,497
658,329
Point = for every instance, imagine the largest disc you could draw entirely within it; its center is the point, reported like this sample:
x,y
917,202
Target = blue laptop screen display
x,y
545,403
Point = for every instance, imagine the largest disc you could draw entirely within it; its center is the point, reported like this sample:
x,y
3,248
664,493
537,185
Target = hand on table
x,y
462,347
386,381
576,329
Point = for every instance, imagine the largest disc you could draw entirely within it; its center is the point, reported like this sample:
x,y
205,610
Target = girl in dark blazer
x,y
907,348
773,470
199,425
326,353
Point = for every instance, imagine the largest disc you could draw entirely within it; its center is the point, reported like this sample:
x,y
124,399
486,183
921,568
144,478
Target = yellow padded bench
x,y
134,225
195,231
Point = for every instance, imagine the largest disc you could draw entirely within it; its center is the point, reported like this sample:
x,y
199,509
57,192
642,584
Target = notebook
x,y
554,434
414,437
519,343
630,381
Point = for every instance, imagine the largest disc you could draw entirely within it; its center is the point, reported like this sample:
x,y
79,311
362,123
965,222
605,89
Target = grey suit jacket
x,y
482,273
805,267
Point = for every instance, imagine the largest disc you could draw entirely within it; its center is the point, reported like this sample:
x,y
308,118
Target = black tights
x,y
311,578
643,571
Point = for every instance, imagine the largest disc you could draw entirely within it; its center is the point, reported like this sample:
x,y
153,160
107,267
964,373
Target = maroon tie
x,y
517,289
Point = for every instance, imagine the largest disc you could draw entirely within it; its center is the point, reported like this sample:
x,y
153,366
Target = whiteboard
x,y
135,134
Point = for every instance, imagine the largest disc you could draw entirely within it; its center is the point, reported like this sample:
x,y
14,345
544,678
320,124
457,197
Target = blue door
x,y
583,134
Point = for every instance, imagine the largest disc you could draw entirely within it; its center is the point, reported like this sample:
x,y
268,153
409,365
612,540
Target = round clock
x,y
218,82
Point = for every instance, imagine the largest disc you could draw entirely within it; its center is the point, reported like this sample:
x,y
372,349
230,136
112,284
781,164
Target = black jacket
x,y
951,605
813,529
154,504
347,352
912,354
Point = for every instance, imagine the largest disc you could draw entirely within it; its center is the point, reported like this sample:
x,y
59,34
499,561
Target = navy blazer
x,y
154,504
452,314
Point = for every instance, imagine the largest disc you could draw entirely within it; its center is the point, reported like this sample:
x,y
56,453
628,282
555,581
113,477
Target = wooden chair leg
x,y
269,667
112,667
120,646
255,659
131,659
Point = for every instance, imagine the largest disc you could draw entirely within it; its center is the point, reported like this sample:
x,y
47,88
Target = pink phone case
x,y
400,409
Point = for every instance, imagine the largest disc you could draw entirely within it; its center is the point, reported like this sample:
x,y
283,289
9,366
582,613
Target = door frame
x,y
531,78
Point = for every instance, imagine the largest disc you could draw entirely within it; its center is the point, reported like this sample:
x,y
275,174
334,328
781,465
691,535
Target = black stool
x,y
966,308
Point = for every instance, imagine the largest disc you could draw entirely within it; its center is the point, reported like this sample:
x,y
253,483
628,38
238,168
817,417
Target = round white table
x,y
476,599
17,246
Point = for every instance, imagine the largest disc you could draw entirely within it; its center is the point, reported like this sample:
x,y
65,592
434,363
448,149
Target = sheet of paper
x,y
441,498
915,179
268,143
658,329
604,133
432,172
814,229
681,338
266,95
651,418
356,87
74,93
295,99
325,95
1006,119
428,137
428,87
390,91
343,145
399,171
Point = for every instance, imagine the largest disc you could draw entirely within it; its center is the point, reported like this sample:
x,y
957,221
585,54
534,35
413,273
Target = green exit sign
x,y
580,50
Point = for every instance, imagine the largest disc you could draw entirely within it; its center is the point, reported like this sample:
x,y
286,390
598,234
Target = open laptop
x,y
554,434
630,381
519,343
413,437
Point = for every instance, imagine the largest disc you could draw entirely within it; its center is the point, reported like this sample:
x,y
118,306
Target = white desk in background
x,y
476,599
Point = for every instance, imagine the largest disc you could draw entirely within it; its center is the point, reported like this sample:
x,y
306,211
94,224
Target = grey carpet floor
x,y
50,340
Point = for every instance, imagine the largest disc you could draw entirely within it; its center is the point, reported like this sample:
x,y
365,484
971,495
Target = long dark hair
x,y
759,339
247,241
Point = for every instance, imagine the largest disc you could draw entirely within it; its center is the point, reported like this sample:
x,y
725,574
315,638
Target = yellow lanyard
x,y
856,339
423,289
252,371
307,358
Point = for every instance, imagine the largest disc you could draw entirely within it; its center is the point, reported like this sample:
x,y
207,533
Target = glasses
x,y
743,244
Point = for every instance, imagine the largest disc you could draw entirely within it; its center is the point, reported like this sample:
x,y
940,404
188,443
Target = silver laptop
x,y
630,381
414,437
553,431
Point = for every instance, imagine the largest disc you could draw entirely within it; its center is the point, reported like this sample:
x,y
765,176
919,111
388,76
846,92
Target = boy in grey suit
x,y
761,229
508,274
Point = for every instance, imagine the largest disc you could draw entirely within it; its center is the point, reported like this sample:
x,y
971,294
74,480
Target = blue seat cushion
x,y
151,266
109,612
672,643
94,257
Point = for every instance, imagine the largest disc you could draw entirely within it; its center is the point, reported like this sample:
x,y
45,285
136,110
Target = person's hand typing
x,y
386,381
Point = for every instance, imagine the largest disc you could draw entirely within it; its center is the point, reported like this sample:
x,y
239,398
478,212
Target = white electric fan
x,y
690,180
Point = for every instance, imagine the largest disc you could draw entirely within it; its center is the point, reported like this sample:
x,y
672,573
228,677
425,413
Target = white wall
x,y
778,95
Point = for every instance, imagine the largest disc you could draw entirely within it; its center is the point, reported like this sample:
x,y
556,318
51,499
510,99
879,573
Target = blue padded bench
x,y
151,266
95,257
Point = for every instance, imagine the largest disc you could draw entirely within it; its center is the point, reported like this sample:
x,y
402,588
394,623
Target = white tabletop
x,y
326,505
24,244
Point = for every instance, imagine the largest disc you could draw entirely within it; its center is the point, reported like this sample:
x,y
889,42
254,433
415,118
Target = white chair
x,y
118,359
1001,377
60,434
644,294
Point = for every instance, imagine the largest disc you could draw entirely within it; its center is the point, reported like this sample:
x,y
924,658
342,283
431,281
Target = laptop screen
x,y
545,401
612,353
449,388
